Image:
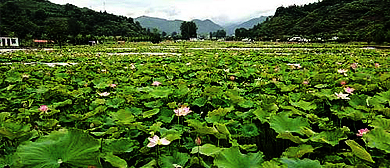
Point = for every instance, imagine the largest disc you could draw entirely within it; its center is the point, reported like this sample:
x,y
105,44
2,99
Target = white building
x,y
9,41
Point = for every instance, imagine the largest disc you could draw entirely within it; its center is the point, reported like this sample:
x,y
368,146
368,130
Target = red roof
x,y
41,41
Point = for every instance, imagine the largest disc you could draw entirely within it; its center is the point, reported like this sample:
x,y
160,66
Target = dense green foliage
x,y
41,19
349,20
188,30
252,105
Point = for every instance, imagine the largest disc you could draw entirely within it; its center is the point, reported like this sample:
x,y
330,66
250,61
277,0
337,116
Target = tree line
x,y
348,20
41,19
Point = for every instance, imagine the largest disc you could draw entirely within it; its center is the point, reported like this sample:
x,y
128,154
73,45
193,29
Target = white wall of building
x,y
9,41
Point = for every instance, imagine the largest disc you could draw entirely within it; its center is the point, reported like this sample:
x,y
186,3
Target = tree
x,y
57,29
188,30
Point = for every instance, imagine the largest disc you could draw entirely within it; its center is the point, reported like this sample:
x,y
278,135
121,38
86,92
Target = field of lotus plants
x,y
196,104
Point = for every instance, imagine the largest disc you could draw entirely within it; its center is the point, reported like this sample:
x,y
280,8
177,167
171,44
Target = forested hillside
x,y
349,20
41,19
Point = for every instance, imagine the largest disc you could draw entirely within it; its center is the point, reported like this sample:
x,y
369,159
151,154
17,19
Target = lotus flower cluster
x,y
104,94
44,108
113,85
156,83
354,66
342,96
157,141
343,71
362,132
182,111
349,90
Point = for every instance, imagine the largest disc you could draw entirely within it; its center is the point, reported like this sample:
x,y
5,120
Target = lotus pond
x,y
196,104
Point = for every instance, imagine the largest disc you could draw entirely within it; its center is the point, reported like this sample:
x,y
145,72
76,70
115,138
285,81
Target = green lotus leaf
x,y
13,77
115,161
249,130
200,101
6,161
383,97
273,164
330,137
334,165
249,147
246,104
151,164
14,130
3,116
262,115
304,105
286,88
297,152
178,159
150,113
358,101
166,115
325,94
115,102
206,149
202,128
119,146
42,89
320,86
73,147
380,122
232,157
359,151
63,104
123,116
182,90
222,130
378,138
217,115
170,134
161,93
295,139
281,123
94,112
305,163
154,104
100,83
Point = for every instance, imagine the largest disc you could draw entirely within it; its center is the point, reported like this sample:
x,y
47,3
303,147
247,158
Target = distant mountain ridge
x,y
230,29
204,26
169,26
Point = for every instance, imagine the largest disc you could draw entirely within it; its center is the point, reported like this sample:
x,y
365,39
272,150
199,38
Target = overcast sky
x,y
220,11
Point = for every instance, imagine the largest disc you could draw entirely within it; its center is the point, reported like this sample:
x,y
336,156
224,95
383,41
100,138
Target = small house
x,y
9,42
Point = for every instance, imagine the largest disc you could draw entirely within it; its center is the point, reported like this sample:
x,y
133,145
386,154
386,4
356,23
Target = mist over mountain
x,y
204,26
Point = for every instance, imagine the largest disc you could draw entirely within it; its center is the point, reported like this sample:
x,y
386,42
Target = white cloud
x,y
219,11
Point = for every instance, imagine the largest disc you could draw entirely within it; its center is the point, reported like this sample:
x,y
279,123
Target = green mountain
x,y
230,29
41,19
170,26
348,20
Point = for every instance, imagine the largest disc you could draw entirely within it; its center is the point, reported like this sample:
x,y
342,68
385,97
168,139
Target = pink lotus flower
x,y
156,83
182,111
198,141
113,85
104,94
354,65
157,141
44,108
377,65
349,90
362,131
343,83
342,96
305,82
343,71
